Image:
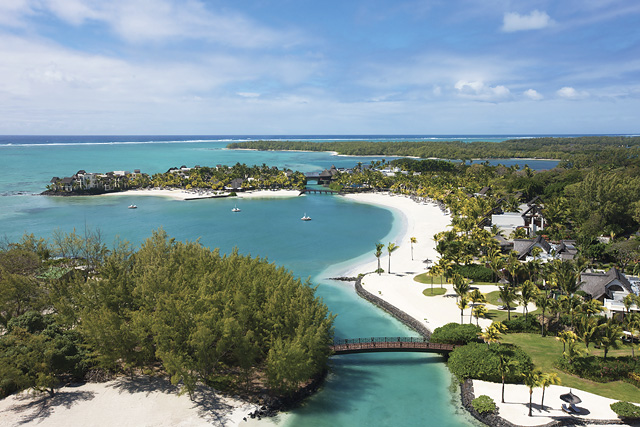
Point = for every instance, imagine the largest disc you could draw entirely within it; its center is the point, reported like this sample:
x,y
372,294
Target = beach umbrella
x,y
570,398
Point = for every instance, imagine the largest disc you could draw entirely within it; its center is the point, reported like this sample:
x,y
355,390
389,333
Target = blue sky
x,y
319,67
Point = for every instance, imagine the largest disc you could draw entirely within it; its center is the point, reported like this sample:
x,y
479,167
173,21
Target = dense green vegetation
x,y
626,410
615,149
484,404
482,361
234,322
454,333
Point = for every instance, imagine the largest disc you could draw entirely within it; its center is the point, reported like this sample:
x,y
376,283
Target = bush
x,y
599,370
481,362
626,409
454,333
523,324
475,272
484,404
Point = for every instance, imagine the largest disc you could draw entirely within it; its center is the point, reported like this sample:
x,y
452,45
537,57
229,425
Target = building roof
x,y
596,283
524,246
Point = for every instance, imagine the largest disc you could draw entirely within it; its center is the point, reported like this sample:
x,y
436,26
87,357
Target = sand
x,y
123,402
178,194
154,402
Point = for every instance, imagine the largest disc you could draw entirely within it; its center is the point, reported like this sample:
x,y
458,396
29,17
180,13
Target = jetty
x,y
318,191
389,344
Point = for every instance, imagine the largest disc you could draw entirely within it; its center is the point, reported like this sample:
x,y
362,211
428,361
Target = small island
x,y
220,180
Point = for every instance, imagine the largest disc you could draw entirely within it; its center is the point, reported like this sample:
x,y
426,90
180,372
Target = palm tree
x,y
633,326
587,329
567,277
610,333
495,261
477,297
460,285
591,307
547,379
493,333
543,302
390,248
479,311
532,379
507,296
378,254
629,301
463,303
412,240
505,365
528,293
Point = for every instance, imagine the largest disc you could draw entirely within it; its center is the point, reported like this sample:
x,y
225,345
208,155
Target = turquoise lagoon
x,y
376,389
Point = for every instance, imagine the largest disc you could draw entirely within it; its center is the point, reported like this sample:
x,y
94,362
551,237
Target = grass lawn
x,y
494,298
502,315
426,279
544,351
436,291
475,283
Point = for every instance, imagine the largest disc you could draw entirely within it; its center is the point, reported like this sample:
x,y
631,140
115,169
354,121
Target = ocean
x,y
375,389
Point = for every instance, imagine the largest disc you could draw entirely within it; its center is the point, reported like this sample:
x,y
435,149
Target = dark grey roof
x,y
54,179
533,210
596,284
524,246
502,241
484,190
567,249
534,201
67,180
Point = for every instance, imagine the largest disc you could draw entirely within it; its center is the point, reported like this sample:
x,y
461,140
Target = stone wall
x,y
391,309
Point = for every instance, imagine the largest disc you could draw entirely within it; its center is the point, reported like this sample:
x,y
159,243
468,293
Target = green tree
x,y
462,304
532,379
391,247
610,334
378,254
543,302
507,296
528,293
505,366
547,379
412,240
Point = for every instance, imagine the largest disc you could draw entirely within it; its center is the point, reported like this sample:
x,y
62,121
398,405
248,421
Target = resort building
x,y
610,288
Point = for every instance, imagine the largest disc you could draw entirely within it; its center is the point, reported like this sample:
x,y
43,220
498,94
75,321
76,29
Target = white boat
x,y
235,209
133,207
305,217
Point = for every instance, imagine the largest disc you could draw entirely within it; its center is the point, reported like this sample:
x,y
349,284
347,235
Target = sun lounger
x,y
566,408
575,409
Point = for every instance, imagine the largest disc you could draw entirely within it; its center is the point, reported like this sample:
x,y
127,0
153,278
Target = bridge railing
x,y
379,340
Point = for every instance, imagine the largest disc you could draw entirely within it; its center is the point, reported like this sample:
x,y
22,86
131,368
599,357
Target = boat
x,y
133,207
235,209
305,217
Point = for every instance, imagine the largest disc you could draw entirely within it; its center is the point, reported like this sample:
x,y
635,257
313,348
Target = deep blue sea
x,y
376,389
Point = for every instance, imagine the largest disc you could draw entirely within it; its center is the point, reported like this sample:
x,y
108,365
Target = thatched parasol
x,y
570,398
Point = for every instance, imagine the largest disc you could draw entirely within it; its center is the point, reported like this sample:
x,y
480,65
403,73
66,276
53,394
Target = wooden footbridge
x,y
389,344
317,191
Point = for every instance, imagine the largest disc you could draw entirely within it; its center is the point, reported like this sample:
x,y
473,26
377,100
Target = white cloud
x,y
145,21
536,20
248,94
533,94
568,92
478,90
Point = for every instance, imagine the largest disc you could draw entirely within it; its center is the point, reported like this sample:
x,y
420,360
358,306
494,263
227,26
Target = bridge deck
x,y
399,344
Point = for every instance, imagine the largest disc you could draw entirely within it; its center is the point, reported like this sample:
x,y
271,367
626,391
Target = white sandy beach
x,y
123,402
152,404
178,194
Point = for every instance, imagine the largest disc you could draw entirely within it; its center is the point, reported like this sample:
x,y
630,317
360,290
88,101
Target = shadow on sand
x,y
210,406
41,406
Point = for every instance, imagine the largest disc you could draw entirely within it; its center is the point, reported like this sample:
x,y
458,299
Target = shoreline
x,y
187,195
410,219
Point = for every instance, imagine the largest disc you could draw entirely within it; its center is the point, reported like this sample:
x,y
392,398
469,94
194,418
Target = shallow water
x,y
375,389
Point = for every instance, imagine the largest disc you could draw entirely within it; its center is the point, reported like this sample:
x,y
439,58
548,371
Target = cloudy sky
x,y
319,67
